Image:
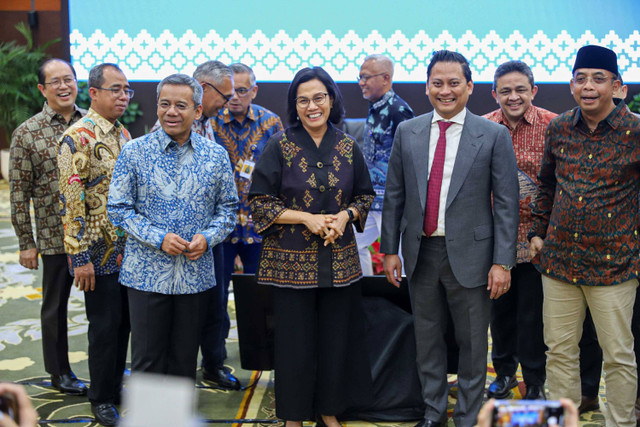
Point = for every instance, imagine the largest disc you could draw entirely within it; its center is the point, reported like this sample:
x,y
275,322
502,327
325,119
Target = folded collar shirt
x,y
160,187
454,132
33,176
586,209
528,144
87,155
383,118
244,143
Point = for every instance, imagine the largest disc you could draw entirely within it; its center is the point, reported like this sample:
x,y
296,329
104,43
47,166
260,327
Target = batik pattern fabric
x,y
244,143
293,173
33,176
528,143
160,187
87,156
383,118
586,209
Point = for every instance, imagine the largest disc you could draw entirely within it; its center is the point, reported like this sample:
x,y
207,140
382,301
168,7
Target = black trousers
x,y
165,331
321,361
215,325
56,287
591,353
516,327
108,314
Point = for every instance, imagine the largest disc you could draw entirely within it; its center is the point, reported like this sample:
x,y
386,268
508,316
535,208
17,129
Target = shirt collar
x,y
613,119
227,117
458,118
105,125
165,140
529,116
384,100
51,114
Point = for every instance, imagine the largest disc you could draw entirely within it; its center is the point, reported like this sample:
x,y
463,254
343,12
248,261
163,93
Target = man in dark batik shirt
x,y
34,177
586,211
386,111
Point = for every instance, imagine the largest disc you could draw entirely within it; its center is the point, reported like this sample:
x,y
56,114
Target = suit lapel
x,y
420,153
467,151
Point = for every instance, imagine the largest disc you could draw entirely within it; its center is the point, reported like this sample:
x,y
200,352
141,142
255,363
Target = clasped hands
x,y
176,245
328,226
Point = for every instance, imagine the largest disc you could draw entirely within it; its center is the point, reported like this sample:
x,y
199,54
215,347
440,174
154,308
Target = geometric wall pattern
x,y
277,58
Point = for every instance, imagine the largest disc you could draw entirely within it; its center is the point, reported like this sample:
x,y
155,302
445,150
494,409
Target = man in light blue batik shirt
x,y
173,193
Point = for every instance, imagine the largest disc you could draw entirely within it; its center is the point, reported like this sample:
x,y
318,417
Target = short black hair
x,y
511,67
42,77
449,56
306,74
96,74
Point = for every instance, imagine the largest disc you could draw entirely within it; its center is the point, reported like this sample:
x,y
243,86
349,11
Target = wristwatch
x,y
352,217
506,267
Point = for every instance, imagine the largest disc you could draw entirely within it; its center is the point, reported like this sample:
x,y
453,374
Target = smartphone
x,y
9,406
523,413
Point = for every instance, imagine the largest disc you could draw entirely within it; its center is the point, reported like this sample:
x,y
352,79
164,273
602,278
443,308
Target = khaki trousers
x,y
612,309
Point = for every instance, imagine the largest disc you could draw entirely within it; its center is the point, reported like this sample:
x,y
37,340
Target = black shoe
x,y
535,392
428,423
69,384
105,413
588,404
222,377
501,387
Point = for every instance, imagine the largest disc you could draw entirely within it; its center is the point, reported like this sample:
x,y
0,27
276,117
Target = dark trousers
x,y
250,255
516,327
56,286
108,314
591,353
165,331
321,362
432,288
213,332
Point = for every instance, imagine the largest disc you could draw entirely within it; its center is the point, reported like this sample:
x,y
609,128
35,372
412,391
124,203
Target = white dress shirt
x,y
453,141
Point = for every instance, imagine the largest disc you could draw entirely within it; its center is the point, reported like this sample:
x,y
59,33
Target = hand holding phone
x,y
15,407
571,417
542,413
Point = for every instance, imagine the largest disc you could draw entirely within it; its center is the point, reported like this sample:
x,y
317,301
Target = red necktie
x,y
435,182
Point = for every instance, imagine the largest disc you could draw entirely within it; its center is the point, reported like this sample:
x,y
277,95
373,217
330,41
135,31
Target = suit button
x,y
321,188
320,165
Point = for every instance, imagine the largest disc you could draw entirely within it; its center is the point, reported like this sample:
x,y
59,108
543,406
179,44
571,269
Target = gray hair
x,y
214,70
183,80
239,68
96,75
384,61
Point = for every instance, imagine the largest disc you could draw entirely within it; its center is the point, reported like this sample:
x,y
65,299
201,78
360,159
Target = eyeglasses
x,y
243,91
180,106
318,99
118,92
598,80
57,83
226,97
365,77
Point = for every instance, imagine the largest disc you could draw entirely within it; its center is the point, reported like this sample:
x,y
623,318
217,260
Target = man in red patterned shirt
x,y
516,318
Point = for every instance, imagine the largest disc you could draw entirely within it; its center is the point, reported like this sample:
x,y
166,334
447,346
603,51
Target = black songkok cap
x,y
593,56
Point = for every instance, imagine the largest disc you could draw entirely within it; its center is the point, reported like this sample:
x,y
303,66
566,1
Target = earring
x,y
298,118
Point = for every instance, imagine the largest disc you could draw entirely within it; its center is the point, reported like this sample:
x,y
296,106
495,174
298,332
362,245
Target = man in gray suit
x,y
452,196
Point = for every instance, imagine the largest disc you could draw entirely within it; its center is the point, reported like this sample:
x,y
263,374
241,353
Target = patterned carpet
x,y
21,354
